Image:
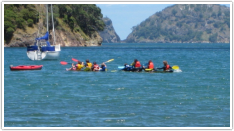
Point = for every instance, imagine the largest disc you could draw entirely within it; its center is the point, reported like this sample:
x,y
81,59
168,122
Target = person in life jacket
x,y
127,67
95,67
137,65
103,67
79,66
88,65
73,67
150,65
166,66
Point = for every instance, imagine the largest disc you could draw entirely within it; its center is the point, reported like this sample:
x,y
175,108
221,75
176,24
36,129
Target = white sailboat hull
x,y
50,55
47,55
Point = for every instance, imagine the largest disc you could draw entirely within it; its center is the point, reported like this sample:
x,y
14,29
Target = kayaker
x,y
95,67
166,66
137,65
127,67
103,67
79,66
73,67
150,65
88,65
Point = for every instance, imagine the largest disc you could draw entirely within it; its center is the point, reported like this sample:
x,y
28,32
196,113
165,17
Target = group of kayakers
x,y
136,66
88,66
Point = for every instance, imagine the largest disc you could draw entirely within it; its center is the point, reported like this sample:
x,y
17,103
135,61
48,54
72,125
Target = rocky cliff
x,y
22,38
109,35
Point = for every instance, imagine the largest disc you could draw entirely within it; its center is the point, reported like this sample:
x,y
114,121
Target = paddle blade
x,y
109,60
148,69
63,63
120,67
175,67
75,60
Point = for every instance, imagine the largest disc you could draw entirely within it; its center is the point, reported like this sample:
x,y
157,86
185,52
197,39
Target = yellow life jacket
x,y
89,65
79,67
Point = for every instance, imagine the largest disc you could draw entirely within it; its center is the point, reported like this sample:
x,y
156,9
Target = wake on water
x,y
178,70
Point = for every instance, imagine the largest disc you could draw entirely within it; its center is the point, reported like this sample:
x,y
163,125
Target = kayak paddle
x,y
75,60
120,67
109,60
175,67
63,63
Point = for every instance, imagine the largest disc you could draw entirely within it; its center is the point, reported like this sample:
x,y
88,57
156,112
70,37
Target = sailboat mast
x,y
47,21
47,17
53,24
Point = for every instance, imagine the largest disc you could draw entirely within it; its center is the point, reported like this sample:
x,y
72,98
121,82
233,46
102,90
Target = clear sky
x,y
125,16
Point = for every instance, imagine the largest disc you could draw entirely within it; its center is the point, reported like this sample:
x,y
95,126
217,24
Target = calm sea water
x,y
199,96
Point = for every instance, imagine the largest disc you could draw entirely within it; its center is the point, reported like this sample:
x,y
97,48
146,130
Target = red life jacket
x,y
137,64
151,65
167,67
96,66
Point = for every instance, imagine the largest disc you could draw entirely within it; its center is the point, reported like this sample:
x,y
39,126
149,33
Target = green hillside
x,y
84,20
189,23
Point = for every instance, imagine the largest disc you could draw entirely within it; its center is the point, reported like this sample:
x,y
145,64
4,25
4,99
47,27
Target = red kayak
x,y
26,67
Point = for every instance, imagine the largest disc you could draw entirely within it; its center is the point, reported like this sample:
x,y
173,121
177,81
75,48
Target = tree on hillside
x,y
174,12
213,38
88,17
18,16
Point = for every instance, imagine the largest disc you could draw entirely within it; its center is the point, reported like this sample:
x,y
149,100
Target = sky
x,y
125,16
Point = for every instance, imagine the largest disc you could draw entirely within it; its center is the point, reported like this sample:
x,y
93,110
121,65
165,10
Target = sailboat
x,y
42,49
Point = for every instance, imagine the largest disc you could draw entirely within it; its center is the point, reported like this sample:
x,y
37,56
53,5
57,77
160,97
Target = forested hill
x,y
75,24
189,23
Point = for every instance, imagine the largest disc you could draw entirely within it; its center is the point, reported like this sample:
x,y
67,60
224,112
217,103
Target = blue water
x,y
199,96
